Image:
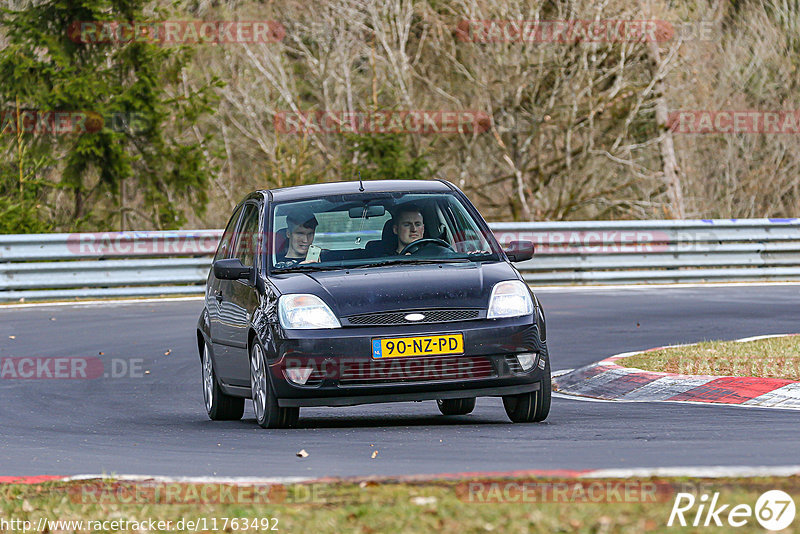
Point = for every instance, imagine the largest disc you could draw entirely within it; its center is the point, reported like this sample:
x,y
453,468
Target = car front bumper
x,y
343,371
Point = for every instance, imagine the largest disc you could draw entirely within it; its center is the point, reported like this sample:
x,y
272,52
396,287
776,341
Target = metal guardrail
x,y
599,252
47,266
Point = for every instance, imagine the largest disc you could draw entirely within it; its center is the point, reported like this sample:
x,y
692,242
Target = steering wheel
x,y
419,243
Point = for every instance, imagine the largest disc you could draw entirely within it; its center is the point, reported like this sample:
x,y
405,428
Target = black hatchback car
x,y
340,294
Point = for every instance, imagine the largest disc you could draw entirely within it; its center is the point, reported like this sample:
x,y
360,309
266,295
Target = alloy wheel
x,y
208,380
258,382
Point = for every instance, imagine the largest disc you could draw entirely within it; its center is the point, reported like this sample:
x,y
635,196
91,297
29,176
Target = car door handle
x,y
218,295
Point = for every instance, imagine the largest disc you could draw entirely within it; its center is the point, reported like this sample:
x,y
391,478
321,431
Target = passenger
x,y
408,226
300,229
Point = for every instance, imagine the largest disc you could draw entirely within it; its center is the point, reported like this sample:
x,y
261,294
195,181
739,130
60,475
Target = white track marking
x,y
696,403
787,396
756,338
99,303
621,355
664,388
636,472
612,287
581,399
698,472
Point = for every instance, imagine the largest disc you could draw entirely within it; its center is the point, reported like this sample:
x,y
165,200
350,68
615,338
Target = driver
x,y
408,226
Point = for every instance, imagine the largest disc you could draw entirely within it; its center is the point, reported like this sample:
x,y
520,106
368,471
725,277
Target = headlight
x,y
305,312
510,299
526,360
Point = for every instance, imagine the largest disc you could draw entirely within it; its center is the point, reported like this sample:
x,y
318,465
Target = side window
x,y
247,239
225,242
466,235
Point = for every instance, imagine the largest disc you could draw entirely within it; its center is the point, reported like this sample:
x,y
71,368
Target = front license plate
x,y
403,347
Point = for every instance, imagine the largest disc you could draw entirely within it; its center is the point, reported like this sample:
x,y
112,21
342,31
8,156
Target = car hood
x,y
400,287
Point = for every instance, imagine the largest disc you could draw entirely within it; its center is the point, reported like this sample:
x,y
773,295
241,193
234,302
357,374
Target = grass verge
x,y
777,357
465,506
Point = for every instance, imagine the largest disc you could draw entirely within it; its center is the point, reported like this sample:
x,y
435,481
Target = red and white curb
x,y
607,380
640,472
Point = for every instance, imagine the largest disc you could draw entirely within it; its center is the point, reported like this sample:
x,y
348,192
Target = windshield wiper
x,y
379,263
306,268
395,261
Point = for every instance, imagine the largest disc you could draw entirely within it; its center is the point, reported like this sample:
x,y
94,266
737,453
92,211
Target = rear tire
x,y
531,407
265,403
456,406
219,406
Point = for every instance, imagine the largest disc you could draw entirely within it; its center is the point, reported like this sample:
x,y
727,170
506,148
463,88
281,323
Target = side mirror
x,y
232,269
519,251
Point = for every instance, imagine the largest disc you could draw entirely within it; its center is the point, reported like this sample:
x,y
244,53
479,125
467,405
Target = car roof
x,y
303,192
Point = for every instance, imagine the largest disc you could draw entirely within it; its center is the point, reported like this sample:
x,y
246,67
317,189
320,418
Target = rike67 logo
x,y
774,510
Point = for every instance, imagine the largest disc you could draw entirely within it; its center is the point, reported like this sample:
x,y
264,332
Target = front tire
x,y
265,403
531,407
219,406
456,406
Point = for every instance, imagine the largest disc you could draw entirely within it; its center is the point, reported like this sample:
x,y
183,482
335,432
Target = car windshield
x,y
373,229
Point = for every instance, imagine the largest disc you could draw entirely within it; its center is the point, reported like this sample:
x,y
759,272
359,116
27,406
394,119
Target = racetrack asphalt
x,y
155,423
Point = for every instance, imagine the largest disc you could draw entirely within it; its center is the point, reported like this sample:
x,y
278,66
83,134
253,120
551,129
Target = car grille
x,y
513,364
315,379
404,370
431,316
